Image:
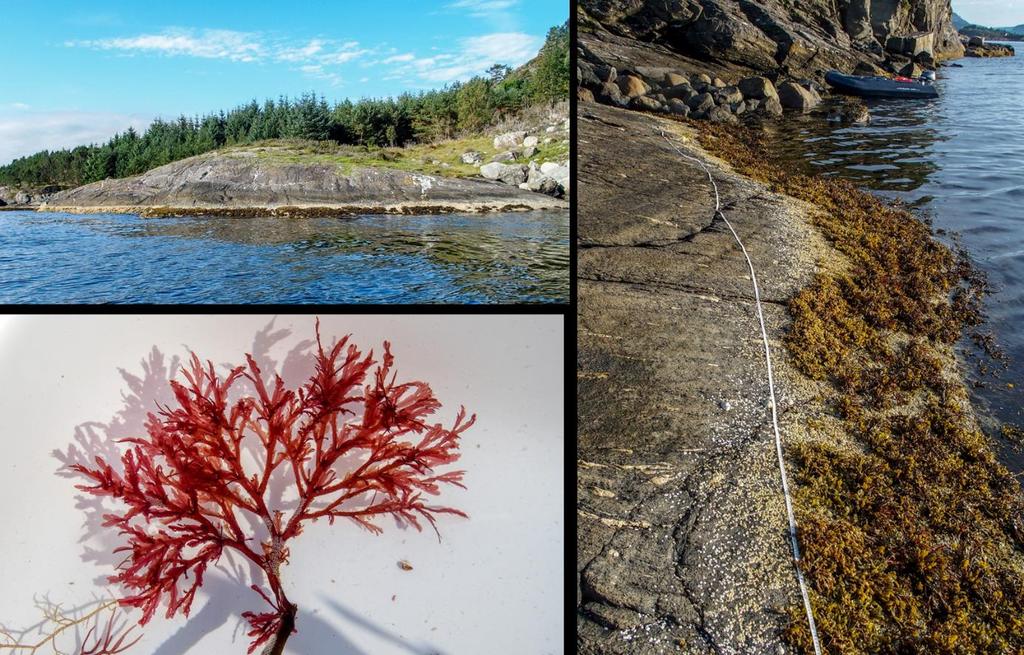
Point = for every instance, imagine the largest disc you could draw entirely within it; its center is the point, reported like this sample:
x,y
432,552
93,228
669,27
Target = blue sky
x,y
76,72
993,13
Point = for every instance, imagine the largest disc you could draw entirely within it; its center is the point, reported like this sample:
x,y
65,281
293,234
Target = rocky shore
x,y
977,46
257,182
13,198
681,541
723,62
680,544
521,165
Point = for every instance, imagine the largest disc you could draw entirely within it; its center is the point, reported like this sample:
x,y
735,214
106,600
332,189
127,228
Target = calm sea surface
x,y
960,161
109,258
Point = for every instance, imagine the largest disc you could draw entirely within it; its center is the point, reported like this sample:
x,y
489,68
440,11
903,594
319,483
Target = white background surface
x,y
494,583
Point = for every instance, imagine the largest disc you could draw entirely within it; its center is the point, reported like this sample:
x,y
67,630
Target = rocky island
x,y
491,143
682,538
282,178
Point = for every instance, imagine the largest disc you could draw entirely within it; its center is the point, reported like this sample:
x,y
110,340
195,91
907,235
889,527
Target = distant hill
x,y
992,33
995,33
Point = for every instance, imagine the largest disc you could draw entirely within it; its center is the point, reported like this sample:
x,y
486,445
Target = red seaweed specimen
x,y
201,476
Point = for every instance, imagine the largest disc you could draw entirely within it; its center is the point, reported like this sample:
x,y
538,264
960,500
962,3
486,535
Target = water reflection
x,y
497,258
894,153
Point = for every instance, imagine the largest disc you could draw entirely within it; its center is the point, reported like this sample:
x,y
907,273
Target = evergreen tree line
x,y
460,108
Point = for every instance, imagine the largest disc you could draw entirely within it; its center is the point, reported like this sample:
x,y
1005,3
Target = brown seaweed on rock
x,y
910,527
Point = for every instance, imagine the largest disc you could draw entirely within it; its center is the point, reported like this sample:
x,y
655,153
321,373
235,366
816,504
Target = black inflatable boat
x,y
880,87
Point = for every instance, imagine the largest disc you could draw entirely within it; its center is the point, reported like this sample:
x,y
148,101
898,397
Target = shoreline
x,y
307,211
679,511
898,464
884,416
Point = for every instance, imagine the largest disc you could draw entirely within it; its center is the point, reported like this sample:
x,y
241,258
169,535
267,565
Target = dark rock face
x,y
237,181
857,19
911,70
793,39
609,93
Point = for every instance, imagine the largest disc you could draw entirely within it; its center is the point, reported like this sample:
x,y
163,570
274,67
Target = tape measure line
x,y
771,392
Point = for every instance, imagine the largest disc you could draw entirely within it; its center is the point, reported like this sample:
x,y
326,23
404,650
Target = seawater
x,y
519,257
959,160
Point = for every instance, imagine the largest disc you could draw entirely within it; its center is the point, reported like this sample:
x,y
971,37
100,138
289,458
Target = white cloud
x,y
476,55
208,44
316,71
25,133
342,56
317,57
301,54
310,57
483,7
399,58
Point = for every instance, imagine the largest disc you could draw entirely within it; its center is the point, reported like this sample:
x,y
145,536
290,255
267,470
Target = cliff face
x,y
790,37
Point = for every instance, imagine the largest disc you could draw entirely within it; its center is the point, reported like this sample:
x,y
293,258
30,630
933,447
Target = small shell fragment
x,y
404,565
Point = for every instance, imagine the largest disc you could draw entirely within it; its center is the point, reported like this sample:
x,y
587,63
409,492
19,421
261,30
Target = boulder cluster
x,y
11,196
696,95
516,163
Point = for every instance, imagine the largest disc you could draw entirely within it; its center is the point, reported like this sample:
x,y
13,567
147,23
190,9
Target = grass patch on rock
x,y
911,529
443,159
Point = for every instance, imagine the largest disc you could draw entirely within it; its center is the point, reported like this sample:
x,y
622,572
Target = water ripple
x,y
109,258
960,159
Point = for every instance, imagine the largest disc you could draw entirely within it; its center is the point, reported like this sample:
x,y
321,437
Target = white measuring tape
x,y
771,392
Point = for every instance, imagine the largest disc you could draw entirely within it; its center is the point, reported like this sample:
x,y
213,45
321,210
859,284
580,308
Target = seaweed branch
x,y
348,444
101,630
